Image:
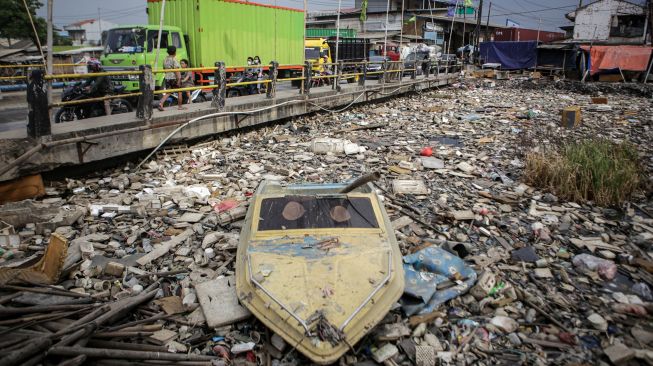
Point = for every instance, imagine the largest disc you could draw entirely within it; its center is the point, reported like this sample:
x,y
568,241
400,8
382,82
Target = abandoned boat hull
x,y
321,289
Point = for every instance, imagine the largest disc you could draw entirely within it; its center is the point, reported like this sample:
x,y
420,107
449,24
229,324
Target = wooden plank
x,y
164,247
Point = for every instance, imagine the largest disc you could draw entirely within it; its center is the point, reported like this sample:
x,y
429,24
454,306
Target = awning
x,y
630,58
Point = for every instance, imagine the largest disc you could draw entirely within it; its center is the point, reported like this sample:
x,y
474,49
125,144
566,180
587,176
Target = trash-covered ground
x,y
151,252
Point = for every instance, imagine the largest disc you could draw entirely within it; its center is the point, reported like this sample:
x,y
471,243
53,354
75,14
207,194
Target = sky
x,y
549,15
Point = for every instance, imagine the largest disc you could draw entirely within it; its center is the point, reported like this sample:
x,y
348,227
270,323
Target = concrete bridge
x,y
103,138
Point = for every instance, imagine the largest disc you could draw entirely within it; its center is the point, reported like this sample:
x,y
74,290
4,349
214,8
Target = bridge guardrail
x,y
220,83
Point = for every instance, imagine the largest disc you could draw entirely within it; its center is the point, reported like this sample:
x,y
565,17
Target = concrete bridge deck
x,y
102,138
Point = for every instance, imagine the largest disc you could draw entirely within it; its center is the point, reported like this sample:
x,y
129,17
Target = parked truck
x,y
349,50
207,31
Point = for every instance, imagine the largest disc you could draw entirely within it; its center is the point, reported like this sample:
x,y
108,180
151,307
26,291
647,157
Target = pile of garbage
x,y
138,264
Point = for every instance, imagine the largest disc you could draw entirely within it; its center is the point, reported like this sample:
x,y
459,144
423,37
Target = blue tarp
x,y
427,268
511,55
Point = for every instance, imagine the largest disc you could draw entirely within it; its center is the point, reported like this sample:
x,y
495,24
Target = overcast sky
x,y
528,13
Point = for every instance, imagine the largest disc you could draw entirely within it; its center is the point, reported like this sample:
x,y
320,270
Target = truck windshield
x,y
312,53
310,212
125,40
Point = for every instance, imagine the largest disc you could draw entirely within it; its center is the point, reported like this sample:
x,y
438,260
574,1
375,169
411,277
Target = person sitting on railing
x,y
259,72
99,85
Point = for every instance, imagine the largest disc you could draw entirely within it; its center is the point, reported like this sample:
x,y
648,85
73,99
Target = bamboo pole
x,y
126,354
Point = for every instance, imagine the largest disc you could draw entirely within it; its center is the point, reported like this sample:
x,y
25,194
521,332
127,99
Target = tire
x,y
119,106
65,114
233,93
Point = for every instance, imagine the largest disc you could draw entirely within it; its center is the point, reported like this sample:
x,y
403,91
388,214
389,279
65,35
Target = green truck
x,y
207,31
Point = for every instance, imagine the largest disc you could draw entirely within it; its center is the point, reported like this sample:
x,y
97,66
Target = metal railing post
x,y
413,76
38,115
308,74
146,99
362,78
339,75
219,93
272,85
385,68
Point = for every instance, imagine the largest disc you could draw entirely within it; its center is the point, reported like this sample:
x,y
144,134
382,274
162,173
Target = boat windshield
x,y
311,212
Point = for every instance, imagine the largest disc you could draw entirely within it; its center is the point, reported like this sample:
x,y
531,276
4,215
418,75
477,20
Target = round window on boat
x,y
339,214
293,211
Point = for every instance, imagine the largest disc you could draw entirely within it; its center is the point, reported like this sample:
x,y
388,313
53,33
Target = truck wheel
x,y
233,93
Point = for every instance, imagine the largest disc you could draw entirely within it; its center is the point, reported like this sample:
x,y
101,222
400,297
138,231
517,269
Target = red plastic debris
x,y
427,151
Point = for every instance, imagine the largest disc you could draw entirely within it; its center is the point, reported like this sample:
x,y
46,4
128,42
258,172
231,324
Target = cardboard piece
x,y
46,271
220,303
570,117
21,189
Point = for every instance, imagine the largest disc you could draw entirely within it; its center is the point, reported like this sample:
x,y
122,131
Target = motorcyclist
x,y
98,85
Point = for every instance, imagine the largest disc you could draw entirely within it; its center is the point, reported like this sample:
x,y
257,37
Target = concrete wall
x,y
593,22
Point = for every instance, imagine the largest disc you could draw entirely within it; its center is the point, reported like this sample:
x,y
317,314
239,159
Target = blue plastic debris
x,y
427,268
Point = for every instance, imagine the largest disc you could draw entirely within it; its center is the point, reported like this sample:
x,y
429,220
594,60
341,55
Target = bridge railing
x,y
304,77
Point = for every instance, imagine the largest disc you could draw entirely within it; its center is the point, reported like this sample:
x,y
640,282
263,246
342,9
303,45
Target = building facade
x,y
88,32
610,22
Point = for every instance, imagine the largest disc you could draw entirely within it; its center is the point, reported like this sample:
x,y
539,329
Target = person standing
x,y
187,79
173,78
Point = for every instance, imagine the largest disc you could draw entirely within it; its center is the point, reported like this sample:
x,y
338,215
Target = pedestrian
x,y
172,79
186,79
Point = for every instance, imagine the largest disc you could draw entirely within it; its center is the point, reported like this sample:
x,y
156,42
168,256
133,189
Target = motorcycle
x,y
240,90
89,110
196,96
321,81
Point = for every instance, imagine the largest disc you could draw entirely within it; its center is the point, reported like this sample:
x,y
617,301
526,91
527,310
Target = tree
x,y
14,21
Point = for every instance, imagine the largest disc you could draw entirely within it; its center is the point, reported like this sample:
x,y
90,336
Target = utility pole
x,y
580,3
539,26
48,61
305,15
479,16
99,23
487,24
650,21
158,40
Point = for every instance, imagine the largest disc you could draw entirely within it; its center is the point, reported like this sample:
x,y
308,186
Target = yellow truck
x,y
349,50
314,50
318,264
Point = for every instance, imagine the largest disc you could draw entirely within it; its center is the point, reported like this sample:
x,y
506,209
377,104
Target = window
x,y
312,53
176,40
124,40
629,26
310,212
152,38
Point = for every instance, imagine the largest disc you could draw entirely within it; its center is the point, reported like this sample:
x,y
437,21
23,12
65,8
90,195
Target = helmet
x,y
93,65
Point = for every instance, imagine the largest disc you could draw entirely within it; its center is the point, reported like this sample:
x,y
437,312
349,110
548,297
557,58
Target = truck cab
x,y
128,47
315,49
